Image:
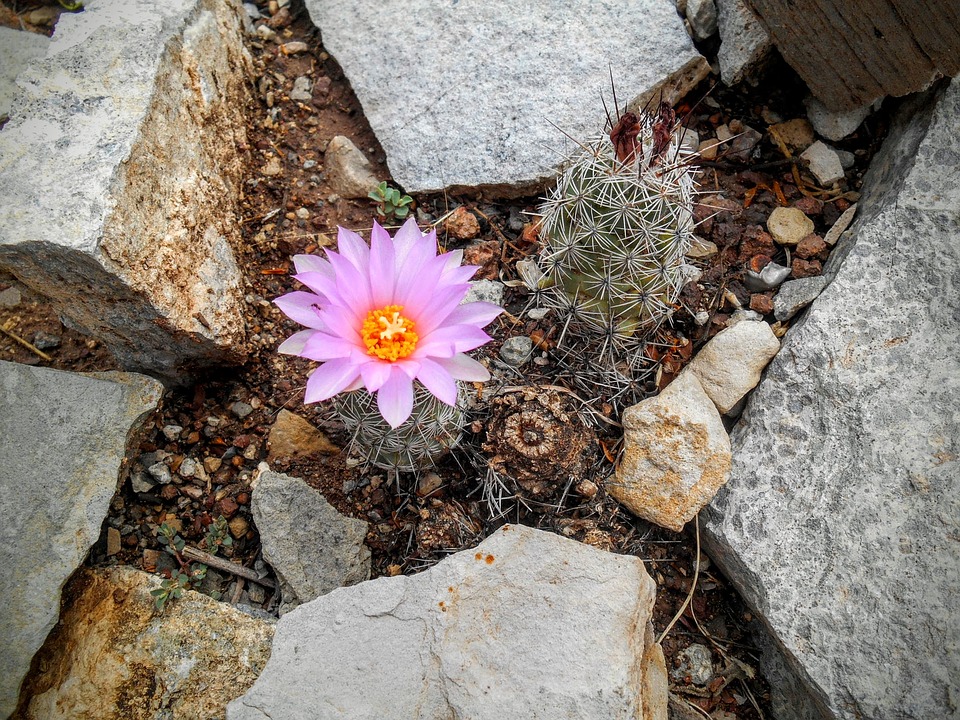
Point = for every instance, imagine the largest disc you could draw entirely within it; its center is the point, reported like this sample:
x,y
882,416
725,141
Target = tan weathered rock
x,y
293,436
349,172
676,455
729,366
127,226
114,657
789,225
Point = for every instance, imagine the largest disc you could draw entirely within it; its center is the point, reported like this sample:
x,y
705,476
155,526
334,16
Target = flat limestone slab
x,y
840,524
18,49
64,437
471,93
526,625
113,657
120,173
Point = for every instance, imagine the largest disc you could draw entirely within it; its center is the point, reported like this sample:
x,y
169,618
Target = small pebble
x,y
824,163
489,291
429,483
188,468
537,313
241,409
515,351
46,341
309,164
767,279
113,541
694,665
238,526
257,593
172,432
301,89
10,297
701,318
789,225
294,48
212,464
160,472
265,32
796,295
303,213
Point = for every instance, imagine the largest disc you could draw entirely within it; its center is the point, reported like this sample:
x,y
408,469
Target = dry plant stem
x,y
693,585
226,566
27,345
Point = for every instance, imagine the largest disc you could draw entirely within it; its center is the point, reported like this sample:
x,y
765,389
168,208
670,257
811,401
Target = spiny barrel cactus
x,y
616,228
432,429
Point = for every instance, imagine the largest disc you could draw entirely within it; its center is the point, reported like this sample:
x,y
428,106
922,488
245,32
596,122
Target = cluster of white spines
x,y
616,233
432,429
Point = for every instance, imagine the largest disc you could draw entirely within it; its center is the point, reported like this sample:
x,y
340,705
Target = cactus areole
x,y
617,226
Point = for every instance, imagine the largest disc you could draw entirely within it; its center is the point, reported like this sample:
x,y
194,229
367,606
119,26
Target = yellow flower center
x,y
387,334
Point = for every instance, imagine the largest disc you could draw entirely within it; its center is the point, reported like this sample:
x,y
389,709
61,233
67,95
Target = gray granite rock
x,y
516,350
834,124
526,625
18,49
312,548
120,179
478,88
744,42
841,521
490,291
64,437
796,295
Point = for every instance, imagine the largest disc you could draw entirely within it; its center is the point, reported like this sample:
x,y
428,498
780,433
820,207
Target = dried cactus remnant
x,y
535,437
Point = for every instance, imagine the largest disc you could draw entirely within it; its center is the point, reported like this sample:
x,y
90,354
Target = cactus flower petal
x,y
395,398
385,315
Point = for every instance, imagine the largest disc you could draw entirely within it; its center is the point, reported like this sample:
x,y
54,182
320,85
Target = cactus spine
x,y
432,429
617,226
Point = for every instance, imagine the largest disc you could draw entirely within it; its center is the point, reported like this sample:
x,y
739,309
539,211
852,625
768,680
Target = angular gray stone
x,y
490,291
729,366
120,179
18,50
702,16
841,521
795,295
676,455
834,124
824,163
478,88
64,438
312,548
516,350
526,625
349,172
744,42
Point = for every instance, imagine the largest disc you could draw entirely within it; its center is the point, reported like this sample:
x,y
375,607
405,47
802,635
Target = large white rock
x,y
729,366
676,455
114,657
472,93
120,173
64,437
526,625
841,521
18,49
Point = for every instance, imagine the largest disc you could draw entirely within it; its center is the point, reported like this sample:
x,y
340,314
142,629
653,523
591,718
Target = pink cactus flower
x,y
383,316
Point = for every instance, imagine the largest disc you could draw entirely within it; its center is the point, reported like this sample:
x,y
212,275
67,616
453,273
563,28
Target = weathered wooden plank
x,y
851,53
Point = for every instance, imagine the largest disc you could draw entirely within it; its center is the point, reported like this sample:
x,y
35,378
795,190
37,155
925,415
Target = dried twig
x,y
226,566
23,342
693,585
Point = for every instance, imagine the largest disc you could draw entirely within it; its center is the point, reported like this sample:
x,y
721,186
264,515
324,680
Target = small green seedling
x,y
218,535
390,203
183,579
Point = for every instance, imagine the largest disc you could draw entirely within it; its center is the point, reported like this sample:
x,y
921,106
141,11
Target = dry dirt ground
x,y
416,520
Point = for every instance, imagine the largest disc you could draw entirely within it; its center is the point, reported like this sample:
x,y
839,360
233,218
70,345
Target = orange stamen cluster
x,y
387,334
